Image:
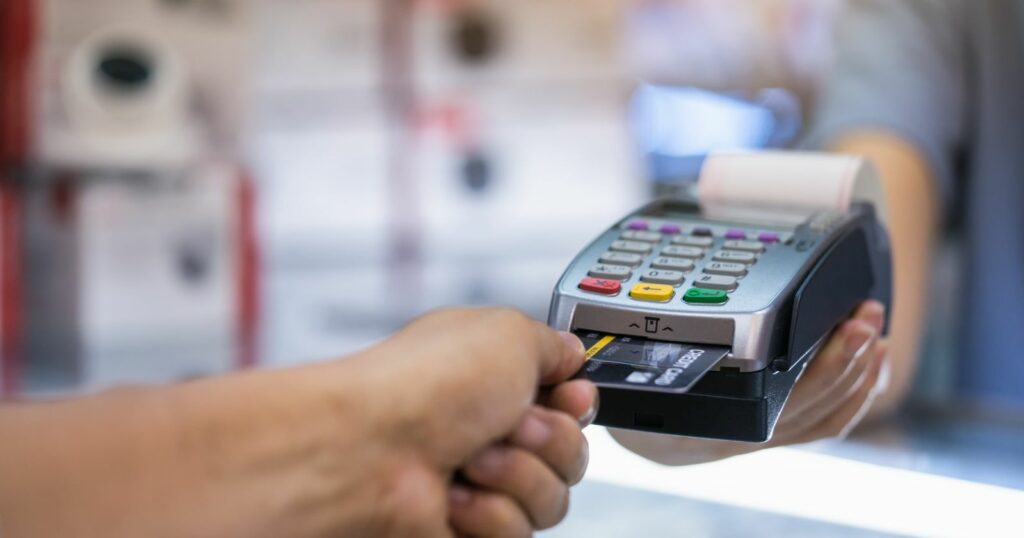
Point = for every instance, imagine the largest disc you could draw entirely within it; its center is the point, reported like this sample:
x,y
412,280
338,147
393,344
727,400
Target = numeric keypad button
x,y
640,235
610,272
716,282
660,276
756,247
726,269
673,264
621,258
693,241
734,256
676,251
633,247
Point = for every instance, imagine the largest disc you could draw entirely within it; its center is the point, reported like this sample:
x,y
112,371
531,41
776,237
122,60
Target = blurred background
x,y
189,187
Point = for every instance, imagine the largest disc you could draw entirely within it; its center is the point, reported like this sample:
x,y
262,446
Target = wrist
x,y
284,436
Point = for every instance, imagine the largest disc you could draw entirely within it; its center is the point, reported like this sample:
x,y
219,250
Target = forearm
x,y
195,459
913,204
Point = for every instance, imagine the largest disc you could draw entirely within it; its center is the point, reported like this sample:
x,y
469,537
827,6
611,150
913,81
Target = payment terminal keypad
x,y
653,261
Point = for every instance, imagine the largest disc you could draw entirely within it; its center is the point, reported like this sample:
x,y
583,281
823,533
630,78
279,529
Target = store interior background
x,y
292,180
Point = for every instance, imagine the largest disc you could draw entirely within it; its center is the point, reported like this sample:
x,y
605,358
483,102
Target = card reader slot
x,y
667,327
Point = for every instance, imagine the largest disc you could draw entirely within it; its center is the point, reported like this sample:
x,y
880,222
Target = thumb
x,y
470,375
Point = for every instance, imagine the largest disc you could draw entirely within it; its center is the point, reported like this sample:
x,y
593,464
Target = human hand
x,y
831,397
367,446
459,394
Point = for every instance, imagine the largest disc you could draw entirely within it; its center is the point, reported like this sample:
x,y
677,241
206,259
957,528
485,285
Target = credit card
x,y
635,362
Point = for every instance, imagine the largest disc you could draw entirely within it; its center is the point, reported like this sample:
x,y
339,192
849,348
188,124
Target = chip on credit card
x,y
635,362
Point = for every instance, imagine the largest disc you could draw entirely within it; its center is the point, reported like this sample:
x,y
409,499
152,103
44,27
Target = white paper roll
x,y
785,186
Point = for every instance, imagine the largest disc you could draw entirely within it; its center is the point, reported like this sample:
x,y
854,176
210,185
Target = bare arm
x,y
367,446
913,201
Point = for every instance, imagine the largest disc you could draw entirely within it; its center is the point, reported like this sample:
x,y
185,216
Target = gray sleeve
x,y
900,67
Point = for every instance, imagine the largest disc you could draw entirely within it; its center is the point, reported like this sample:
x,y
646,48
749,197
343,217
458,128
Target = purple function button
x,y
670,229
638,225
735,234
701,232
768,237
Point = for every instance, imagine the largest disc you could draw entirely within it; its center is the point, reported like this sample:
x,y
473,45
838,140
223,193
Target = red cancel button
x,y
600,285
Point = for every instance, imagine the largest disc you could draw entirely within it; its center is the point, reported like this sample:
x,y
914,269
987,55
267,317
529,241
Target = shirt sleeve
x,y
900,67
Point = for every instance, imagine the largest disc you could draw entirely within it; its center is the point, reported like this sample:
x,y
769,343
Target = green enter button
x,y
702,296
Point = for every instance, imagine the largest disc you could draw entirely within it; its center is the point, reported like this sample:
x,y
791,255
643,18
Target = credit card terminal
x,y
699,313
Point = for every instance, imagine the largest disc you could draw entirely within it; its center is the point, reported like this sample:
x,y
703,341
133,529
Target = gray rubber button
x,y
621,258
693,241
660,276
640,235
672,264
726,269
682,252
746,246
716,282
735,256
610,272
635,247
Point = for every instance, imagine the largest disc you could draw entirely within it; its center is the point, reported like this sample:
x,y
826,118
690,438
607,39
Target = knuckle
x,y
555,508
532,475
562,509
504,515
568,437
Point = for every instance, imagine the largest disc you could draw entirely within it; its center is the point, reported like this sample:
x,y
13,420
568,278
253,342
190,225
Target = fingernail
x,y
459,495
876,314
588,418
572,343
856,341
532,433
489,461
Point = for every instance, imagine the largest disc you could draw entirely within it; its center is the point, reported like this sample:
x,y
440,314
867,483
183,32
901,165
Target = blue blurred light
x,y
677,126
689,122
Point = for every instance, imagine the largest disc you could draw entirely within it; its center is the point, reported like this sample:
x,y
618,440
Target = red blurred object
x,y
600,285
17,37
11,303
248,279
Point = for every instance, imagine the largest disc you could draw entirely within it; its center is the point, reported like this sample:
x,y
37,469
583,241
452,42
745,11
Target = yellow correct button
x,y
652,292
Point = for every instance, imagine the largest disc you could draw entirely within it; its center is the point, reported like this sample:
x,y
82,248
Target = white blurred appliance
x,y
140,241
